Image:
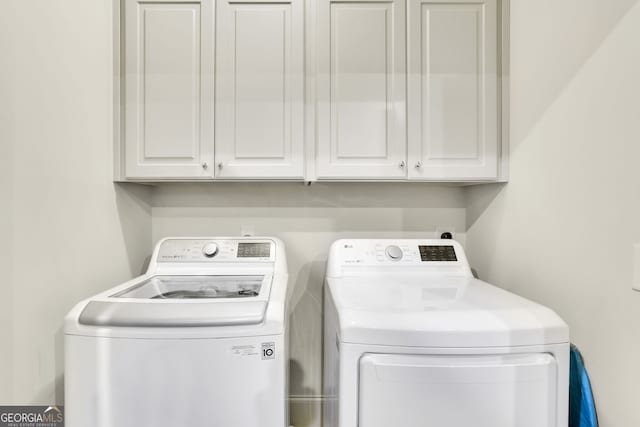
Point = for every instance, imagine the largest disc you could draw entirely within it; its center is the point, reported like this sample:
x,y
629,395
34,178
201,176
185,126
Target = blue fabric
x,y
582,408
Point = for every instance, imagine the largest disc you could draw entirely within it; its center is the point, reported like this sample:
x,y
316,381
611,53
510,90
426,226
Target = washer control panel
x,y
219,250
254,250
210,249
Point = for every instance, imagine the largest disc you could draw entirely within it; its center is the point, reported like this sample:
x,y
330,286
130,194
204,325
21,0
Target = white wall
x,y
66,231
308,220
6,222
561,232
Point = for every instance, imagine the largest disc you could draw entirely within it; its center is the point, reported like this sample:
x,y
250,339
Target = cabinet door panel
x,y
361,90
168,89
260,89
452,92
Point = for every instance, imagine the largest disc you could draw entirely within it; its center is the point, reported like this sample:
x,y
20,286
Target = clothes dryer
x,y
412,339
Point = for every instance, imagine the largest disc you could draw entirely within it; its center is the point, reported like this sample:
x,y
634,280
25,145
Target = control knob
x,y
394,252
210,250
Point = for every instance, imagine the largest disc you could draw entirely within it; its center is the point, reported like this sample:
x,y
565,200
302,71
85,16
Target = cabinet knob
x,y
205,165
220,165
402,164
418,165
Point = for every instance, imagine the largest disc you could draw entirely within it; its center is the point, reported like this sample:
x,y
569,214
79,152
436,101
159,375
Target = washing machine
x,y
199,340
412,339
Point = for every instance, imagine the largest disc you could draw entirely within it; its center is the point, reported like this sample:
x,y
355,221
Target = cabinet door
x,y
361,89
452,90
169,88
260,89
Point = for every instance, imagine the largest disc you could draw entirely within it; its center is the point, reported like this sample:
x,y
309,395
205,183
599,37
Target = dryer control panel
x,y
398,252
437,253
216,250
412,254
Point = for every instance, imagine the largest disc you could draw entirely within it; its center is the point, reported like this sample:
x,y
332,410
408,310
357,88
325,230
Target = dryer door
x,y
516,390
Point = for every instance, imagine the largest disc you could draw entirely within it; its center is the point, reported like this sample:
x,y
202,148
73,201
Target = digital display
x,y
437,253
254,250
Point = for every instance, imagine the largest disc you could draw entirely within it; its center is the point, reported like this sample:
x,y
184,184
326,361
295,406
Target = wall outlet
x,y
445,229
636,267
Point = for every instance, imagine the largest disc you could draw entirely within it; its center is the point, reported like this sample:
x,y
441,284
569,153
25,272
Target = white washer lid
x,y
195,287
183,301
424,311
170,314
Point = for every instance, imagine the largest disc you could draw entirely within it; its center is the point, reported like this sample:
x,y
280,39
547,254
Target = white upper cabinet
x,y
260,89
361,130
168,89
452,90
338,90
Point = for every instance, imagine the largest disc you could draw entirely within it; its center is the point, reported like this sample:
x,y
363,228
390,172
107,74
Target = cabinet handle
x,y
418,165
205,165
402,164
220,165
